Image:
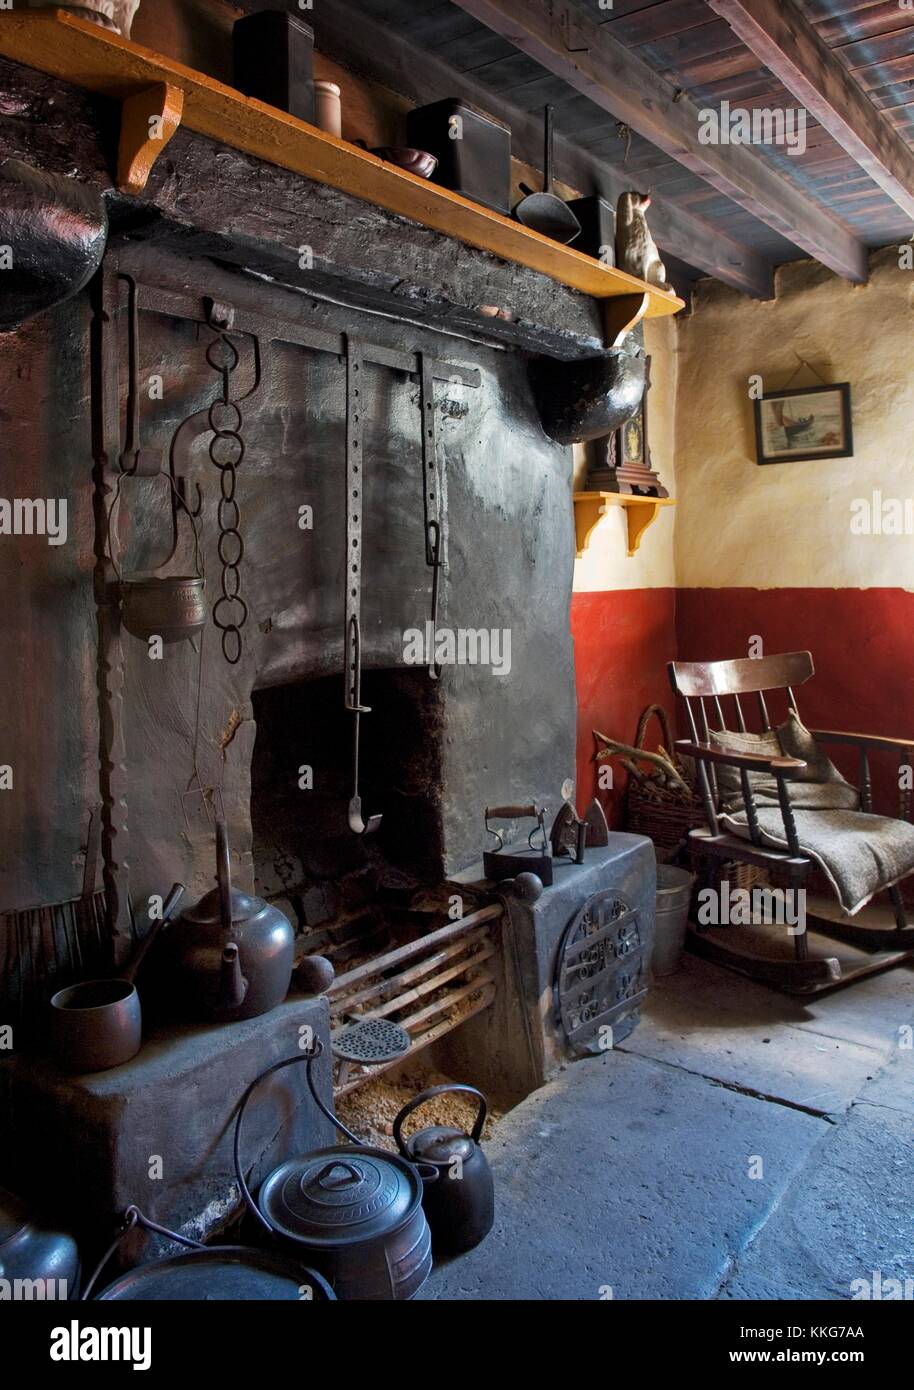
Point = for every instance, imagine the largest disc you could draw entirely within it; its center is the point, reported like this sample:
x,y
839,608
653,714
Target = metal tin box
x,y
274,61
473,150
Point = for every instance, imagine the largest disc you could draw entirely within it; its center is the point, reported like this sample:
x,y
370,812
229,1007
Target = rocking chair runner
x,y
740,828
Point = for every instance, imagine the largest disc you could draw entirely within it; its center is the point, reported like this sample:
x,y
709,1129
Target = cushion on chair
x,y
798,742
819,786
759,745
860,854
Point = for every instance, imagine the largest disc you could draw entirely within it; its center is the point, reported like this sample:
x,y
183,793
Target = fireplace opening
x,y
341,886
378,906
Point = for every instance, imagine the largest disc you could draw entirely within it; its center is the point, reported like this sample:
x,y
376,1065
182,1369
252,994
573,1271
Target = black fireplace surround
x,y
204,252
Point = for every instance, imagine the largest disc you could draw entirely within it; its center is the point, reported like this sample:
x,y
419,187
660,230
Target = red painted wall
x,y
623,639
860,641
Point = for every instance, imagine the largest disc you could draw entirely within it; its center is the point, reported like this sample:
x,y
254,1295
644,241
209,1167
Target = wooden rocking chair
x,y
832,950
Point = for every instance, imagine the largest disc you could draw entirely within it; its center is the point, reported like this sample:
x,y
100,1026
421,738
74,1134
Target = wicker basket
x,y
666,814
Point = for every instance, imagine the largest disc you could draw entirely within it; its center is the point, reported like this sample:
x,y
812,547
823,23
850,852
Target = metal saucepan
x,y
99,1024
546,212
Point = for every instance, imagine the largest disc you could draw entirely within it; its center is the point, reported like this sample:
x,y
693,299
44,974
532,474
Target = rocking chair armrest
x,y
752,762
898,745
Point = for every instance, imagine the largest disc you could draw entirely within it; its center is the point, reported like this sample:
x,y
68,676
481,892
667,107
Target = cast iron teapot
x,y
232,953
460,1206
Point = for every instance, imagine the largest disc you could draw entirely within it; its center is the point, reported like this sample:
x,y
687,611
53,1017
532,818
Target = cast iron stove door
x,y
601,972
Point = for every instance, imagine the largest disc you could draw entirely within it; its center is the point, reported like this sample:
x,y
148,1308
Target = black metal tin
x,y
598,228
473,150
274,61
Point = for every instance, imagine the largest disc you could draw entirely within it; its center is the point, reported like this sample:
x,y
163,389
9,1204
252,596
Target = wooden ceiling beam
x,y
348,36
783,39
572,46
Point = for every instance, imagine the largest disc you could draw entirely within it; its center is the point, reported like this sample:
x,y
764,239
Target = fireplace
x,y
248,718
303,849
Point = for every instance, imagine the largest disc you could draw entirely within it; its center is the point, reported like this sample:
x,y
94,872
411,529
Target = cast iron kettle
x,y
233,952
460,1206
352,1212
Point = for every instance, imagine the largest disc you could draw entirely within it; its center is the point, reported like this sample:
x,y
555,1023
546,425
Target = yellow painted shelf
x,y
81,52
640,513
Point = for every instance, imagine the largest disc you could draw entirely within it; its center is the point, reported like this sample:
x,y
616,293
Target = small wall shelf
x,y
78,51
640,513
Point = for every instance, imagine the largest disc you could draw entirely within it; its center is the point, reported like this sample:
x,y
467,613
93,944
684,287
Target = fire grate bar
x,y
452,981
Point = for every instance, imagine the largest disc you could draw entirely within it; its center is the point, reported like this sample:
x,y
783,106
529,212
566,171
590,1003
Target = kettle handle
x,y
414,1104
224,875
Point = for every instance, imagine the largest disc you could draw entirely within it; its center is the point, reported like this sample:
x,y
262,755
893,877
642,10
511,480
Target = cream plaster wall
x,y
605,564
786,525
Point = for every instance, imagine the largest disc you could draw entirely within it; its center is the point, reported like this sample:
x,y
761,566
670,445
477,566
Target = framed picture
x,y
809,422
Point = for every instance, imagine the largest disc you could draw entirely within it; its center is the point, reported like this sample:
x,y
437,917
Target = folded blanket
x,y
860,854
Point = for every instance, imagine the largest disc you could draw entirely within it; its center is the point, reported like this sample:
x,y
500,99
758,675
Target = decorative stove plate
x,y
601,973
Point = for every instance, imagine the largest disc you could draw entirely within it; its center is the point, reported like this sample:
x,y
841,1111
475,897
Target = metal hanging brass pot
x,y
588,398
173,607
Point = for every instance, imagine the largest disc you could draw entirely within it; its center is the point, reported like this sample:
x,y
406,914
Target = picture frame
x,y
804,423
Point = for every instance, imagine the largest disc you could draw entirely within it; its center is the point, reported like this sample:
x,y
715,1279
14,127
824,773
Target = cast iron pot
x,y
352,1212
460,1206
31,1250
583,400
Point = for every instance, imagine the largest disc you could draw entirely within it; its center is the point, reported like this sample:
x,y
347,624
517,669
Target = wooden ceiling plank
x,y
585,55
897,43
658,21
848,28
345,34
784,40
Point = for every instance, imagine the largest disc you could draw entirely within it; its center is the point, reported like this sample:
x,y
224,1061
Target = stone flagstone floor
x,y
740,1144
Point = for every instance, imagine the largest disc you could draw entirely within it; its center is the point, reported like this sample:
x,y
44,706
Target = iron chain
x,y
226,451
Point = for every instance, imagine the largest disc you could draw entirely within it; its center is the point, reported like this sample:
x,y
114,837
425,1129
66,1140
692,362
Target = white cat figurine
x,y
636,250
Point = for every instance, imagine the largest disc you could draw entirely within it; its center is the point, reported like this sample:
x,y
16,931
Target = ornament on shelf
x,y
116,15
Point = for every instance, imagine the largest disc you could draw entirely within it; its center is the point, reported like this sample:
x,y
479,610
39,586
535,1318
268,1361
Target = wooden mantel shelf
x,y
640,513
150,85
